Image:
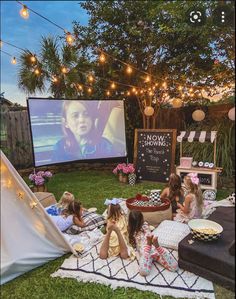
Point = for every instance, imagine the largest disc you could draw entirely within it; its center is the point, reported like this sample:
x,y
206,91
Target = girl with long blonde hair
x,y
193,202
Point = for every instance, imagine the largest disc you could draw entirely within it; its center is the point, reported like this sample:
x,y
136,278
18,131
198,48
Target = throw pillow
x,y
170,233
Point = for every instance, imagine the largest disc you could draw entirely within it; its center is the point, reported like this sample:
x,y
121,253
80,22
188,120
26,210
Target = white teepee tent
x,y
29,238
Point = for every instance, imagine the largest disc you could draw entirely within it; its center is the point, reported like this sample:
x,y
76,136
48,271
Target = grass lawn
x,y
91,187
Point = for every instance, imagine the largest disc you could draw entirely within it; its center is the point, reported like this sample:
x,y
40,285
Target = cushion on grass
x,y
170,233
92,220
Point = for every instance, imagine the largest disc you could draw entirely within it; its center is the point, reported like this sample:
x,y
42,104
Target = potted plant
x,y
39,180
123,171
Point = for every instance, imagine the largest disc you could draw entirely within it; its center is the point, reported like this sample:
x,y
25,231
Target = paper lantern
x,y
177,103
198,115
148,111
231,114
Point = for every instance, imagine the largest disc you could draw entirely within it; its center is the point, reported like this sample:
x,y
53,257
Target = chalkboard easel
x,y
154,153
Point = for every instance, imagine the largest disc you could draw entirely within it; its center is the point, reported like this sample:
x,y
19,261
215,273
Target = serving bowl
x,y
205,230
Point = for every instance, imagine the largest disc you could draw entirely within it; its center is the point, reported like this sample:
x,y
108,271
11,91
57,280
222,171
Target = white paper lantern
x,y
198,115
231,114
177,103
148,111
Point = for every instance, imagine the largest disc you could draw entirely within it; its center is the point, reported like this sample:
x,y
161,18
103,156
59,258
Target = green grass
x,y
91,187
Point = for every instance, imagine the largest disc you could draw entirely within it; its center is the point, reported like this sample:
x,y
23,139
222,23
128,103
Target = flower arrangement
x,y
40,178
124,169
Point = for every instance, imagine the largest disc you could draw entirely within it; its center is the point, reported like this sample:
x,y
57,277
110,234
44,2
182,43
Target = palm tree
x,y
55,70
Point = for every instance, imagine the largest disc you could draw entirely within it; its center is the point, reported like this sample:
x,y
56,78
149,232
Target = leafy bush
x,y
225,156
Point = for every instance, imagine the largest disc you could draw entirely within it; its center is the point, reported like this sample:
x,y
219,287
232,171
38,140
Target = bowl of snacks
x,y
78,247
205,230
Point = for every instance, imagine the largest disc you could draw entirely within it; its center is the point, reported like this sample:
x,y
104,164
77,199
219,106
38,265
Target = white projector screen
x,y
72,130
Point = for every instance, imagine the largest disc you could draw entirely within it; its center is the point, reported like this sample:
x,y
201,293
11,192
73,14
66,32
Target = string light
x,y
113,86
89,90
129,70
54,79
64,70
13,61
24,12
180,88
128,93
80,87
191,90
108,93
133,89
164,85
102,58
90,78
37,71
33,59
147,78
69,38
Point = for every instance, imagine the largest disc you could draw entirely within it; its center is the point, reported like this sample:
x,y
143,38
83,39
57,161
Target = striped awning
x,y
200,136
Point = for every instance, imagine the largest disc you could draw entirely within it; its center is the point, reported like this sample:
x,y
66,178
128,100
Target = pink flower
x,y
124,168
47,174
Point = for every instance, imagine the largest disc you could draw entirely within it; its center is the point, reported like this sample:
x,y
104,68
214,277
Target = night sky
x,y
27,34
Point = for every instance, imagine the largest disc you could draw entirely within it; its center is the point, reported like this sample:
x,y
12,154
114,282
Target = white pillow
x,y
170,233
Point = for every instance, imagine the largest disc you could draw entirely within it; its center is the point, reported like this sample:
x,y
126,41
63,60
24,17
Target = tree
x,y
155,37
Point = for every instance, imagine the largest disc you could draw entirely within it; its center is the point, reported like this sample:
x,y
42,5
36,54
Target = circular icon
x,y
223,15
196,17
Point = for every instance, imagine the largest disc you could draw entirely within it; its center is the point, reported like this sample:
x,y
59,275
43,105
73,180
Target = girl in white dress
x,y
193,202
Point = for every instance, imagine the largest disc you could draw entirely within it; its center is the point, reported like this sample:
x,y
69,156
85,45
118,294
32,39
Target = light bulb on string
x,y
24,12
14,61
33,59
37,72
147,79
129,70
128,93
64,70
190,90
54,79
89,90
180,88
102,58
156,84
80,87
108,93
69,38
164,85
133,89
113,86
90,78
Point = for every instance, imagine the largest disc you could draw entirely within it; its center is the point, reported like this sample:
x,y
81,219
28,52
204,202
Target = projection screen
x,y
72,130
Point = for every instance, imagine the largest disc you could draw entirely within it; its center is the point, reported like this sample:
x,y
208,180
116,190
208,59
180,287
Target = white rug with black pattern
x,y
116,272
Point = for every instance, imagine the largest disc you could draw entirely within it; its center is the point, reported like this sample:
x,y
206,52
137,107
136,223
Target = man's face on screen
x,y
78,119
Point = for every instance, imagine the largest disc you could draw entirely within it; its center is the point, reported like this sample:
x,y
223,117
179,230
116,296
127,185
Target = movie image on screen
x,y
72,130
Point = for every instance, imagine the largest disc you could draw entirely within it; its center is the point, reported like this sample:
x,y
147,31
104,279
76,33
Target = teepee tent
x,y
29,238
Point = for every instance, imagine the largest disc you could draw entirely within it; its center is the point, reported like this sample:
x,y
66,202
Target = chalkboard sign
x,y
154,154
204,178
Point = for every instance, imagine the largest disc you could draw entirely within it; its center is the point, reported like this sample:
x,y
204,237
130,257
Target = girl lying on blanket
x,y
62,206
73,216
147,246
193,202
116,239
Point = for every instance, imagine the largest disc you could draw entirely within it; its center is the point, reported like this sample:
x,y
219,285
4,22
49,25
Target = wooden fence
x,y
16,138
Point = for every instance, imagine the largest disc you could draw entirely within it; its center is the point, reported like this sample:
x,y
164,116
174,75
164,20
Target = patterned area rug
x,y
116,272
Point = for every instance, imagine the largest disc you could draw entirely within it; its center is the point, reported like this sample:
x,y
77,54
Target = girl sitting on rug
x,y
193,202
116,239
62,206
147,246
72,216
174,192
